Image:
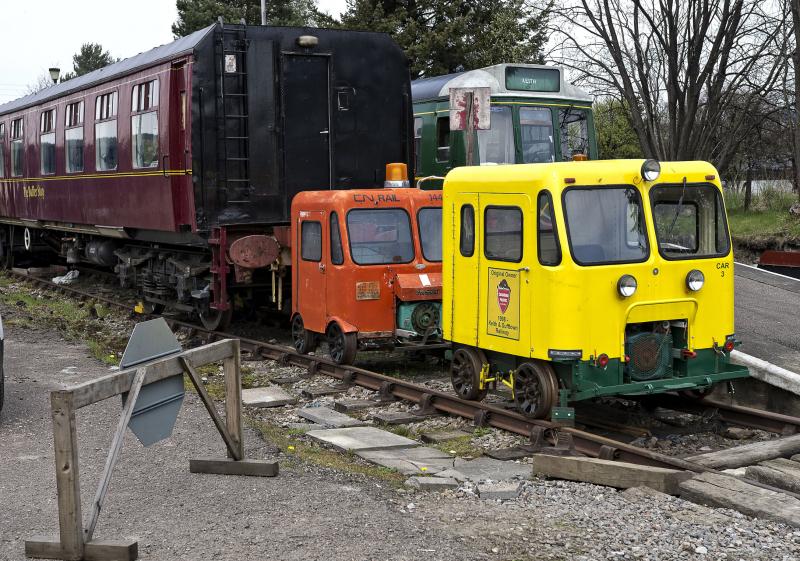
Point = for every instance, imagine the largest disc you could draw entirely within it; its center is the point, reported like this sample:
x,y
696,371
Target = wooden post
x,y
65,440
233,397
113,454
469,130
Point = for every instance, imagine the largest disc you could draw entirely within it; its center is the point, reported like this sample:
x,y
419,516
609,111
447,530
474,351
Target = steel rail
x,y
768,421
428,399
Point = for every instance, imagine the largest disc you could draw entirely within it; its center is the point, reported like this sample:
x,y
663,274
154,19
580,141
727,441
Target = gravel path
x,y
312,513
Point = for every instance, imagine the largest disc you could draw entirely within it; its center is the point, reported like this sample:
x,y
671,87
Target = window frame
x,y
334,223
114,97
604,188
2,150
521,232
53,122
553,218
442,119
12,140
302,241
350,238
139,111
80,105
471,208
418,141
718,200
419,232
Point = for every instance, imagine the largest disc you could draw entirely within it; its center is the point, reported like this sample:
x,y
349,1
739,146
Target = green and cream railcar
x,y
536,116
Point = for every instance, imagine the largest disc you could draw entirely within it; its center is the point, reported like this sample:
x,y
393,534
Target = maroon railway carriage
x,y
177,166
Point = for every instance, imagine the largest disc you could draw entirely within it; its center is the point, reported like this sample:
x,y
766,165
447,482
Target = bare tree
x,y
795,8
42,82
684,67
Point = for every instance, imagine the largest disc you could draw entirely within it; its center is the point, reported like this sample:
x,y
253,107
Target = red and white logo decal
x,y
503,295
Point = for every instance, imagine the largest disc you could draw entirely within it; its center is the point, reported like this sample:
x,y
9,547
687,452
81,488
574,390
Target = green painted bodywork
x,y
585,380
405,312
427,112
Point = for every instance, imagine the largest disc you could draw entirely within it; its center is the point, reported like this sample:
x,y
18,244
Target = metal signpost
x,y
470,110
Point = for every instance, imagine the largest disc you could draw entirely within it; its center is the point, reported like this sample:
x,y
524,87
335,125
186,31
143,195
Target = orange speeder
x,y
366,270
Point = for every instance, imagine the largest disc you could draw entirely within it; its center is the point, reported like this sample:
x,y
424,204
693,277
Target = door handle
x,y
164,159
323,132
524,270
322,267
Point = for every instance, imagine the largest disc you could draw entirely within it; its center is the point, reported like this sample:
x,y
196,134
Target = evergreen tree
x,y
441,36
615,135
197,14
91,57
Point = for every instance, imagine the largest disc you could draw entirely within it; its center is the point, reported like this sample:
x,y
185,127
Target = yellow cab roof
x,y
520,178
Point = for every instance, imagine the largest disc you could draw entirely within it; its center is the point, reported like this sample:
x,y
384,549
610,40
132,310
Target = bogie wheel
x,y
534,393
341,346
304,340
465,373
216,320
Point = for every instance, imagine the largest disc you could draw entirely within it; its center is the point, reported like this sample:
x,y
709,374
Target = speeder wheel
x,y
533,391
341,346
465,373
304,340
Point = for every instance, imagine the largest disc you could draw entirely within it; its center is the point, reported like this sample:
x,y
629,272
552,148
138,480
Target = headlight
x,y
626,286
651,169
695,280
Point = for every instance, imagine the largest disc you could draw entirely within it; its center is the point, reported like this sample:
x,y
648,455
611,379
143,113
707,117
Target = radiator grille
x,y
650,356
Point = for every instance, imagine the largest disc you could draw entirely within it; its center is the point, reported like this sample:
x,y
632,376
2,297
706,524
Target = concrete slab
x,y
268,396
452,474
432,483
410,461
358,439
483,469
351,405
513,453
396,417
313,393
443,436
499,491
329,417
287,379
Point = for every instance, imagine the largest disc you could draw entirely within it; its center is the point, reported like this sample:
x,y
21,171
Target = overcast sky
x,y
38,34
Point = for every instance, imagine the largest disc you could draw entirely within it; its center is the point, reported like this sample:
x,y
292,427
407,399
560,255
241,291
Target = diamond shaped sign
x,y
158,404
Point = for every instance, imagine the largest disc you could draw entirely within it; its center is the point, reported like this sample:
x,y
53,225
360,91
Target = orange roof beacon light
x,y
580,158
396,175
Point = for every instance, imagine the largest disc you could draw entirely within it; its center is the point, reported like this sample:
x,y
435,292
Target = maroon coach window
x,y
47,142
144,125
105,132
73,137
2,149
17,148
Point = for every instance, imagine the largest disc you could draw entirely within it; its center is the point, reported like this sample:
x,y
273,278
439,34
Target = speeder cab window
x,y
380,236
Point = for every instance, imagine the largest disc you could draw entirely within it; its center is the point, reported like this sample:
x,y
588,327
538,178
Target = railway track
x,y
541,434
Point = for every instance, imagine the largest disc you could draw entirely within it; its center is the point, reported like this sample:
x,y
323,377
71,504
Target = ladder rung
x,y
236,116
235,95
236,137
238,180
234,51
231,159
234,74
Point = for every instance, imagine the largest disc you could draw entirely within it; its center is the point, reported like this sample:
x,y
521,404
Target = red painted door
x,y
311,270
178,162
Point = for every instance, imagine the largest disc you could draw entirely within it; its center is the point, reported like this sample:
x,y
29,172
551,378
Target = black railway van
x,y
276,111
